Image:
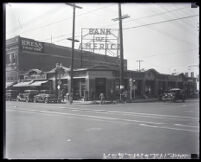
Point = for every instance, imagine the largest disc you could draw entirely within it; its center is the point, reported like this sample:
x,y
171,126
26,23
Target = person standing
x,y
112,95
101,96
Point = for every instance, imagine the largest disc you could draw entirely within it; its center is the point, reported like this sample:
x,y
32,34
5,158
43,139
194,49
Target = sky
x,y
165,36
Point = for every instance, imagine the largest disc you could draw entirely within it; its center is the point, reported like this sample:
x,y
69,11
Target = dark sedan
x,y
11,95
45,96
174,94
27,96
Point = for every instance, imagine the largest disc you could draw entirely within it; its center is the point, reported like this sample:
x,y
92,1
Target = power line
x,y
157,14
165,21
165,32
171,52
36,18
59,21
151,15
160,22
177,14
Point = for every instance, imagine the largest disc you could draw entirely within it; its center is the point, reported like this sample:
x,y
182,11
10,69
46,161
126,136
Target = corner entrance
x,y
100,87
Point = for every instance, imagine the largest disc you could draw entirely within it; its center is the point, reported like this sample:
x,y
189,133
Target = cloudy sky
x,y
164,35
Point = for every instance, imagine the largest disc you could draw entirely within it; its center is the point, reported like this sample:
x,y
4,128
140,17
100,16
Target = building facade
x,y
23,54
38,65
88,83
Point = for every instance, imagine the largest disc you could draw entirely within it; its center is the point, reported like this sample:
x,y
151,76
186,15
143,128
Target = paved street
x,y
38,130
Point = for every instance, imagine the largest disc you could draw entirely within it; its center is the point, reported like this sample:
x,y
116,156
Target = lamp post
x,y
72,55
58,82
121,47
134,89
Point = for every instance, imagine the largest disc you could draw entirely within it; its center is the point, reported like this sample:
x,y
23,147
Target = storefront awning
x,y
8,84
38,83
23,84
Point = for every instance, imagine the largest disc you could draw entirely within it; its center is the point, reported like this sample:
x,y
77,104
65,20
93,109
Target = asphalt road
x,y
133,130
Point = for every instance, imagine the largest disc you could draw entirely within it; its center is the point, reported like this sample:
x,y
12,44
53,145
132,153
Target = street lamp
x,y
58,81
134,89
72,56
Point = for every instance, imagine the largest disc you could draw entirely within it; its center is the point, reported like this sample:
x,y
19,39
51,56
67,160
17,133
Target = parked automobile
x,y
27,96
174,94
45,96
195,94
11,95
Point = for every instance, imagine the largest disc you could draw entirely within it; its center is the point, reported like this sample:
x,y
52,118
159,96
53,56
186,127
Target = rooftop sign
x,y
31,45
97,39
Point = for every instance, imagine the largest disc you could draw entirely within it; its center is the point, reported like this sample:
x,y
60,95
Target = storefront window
x,y
10,58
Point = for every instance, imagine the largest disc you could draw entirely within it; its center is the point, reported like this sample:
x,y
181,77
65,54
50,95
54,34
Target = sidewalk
x,y
115,102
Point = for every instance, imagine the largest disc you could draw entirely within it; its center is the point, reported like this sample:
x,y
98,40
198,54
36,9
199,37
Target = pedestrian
x,y
112,95
62,95
101,96
125,96
67,96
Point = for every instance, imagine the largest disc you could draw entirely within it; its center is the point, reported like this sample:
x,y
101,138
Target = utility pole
x,y
121,47
81,51
139,63
72,55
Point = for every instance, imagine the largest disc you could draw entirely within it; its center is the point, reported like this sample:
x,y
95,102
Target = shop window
x,y
10,58
13,59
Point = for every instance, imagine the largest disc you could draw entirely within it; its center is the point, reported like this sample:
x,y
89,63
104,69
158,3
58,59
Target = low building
x,y
23,54
88,83
31,64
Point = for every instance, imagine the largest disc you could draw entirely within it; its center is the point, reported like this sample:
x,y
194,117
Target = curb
x,y
109,102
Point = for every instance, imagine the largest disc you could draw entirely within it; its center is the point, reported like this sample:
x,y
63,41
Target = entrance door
x,y
100,86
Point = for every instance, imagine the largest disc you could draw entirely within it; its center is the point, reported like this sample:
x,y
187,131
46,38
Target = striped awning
x,y
8,84
38,83
23,84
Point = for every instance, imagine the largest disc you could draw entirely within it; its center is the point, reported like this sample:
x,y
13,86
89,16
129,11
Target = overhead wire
x,y
171,53
59,21
160,22
130,20
165,32
153,15
190,26
36,18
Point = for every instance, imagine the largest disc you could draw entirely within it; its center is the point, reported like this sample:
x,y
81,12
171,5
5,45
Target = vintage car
x,y
194,94
45,96
27,96
11,95
174,94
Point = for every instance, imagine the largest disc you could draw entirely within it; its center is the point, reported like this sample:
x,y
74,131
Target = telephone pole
x,y
139,63
72,55
121,46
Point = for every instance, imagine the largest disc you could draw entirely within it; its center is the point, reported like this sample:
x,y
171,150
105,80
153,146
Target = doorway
x,y
100,87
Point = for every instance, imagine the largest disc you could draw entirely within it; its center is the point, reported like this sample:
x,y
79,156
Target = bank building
x,y
31,64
